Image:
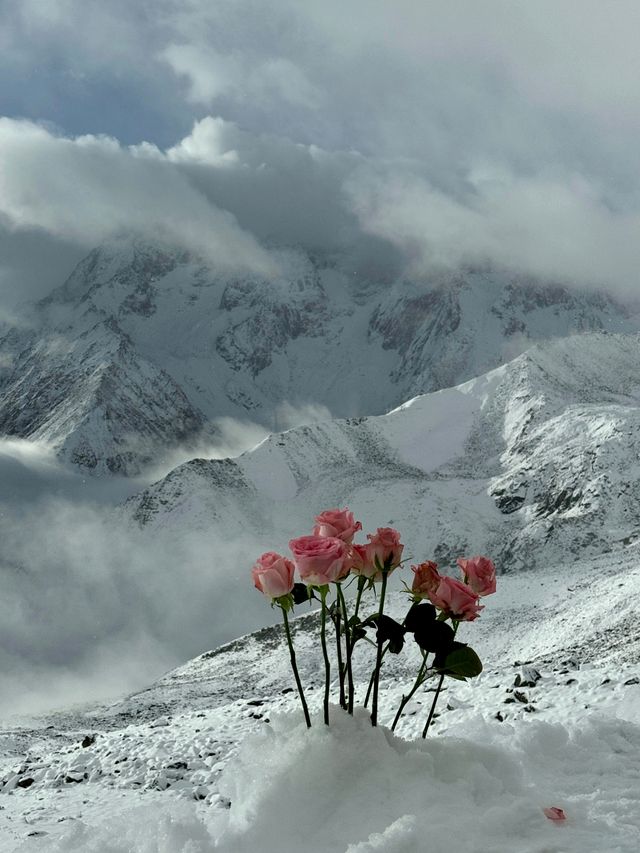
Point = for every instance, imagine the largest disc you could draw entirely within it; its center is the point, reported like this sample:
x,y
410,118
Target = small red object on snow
x,y
554,813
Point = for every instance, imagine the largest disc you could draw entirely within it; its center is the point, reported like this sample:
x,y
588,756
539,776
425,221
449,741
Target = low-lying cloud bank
x,y
228,196
92,606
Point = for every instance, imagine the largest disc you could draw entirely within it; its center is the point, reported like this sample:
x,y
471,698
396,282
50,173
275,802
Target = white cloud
x,y
279,190
210,75
205,144
89,188
552,226
234,437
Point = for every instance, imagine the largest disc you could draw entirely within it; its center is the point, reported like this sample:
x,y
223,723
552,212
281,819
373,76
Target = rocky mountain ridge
x,y
179,345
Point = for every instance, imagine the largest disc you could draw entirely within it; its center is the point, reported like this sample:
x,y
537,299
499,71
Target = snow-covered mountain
x,y
144,348
95,399
532,463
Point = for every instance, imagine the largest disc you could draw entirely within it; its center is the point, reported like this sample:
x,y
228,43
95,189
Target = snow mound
x,y
355,789
351,788
348,786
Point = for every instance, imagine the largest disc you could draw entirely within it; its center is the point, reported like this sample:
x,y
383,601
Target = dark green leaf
x,y
396,644
441,656
418,616
300,593
461,663
435,637
389,629
358,633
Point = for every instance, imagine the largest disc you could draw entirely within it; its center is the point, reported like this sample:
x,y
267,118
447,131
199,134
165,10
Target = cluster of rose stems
x,y
327,559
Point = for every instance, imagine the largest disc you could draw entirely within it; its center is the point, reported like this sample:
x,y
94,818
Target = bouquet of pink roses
x,y
328,558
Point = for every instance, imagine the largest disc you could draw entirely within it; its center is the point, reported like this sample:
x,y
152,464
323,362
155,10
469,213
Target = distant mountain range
x,y
143,348
535,463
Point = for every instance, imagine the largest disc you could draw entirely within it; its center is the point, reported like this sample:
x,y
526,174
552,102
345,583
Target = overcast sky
x,y
443,133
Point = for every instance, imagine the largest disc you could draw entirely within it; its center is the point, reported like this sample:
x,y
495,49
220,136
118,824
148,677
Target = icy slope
x,y
532,462
319,334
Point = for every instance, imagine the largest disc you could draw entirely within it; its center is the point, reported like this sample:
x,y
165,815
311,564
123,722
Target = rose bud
x,y
338,523
320,559
480,574
456,599
384,550
426,579
273,575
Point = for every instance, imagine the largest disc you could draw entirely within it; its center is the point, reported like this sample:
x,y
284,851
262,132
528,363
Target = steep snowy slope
x,y
223,346
533,462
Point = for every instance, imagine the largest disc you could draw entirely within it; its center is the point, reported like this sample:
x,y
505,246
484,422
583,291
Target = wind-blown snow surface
x,y
215,756
532,462
144,348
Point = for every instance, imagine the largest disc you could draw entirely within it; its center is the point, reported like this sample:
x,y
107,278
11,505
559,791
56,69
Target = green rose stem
x,y
351,640
376,679
438,689
433,706
294,667
344,670
340,613
407,698
362,582
372,679
323,640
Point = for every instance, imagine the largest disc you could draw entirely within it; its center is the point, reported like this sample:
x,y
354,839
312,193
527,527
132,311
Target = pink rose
x,y
426,579
480,574
338,523
359,562
456,599
320,559
384,549
273,574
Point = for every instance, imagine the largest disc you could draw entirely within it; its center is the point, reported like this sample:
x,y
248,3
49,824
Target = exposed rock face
x,y
143,347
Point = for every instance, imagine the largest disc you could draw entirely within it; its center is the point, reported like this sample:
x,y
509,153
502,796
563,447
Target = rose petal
x,y
554,813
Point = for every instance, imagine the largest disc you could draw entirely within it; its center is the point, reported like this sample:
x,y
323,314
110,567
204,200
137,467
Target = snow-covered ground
x,y
215,756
